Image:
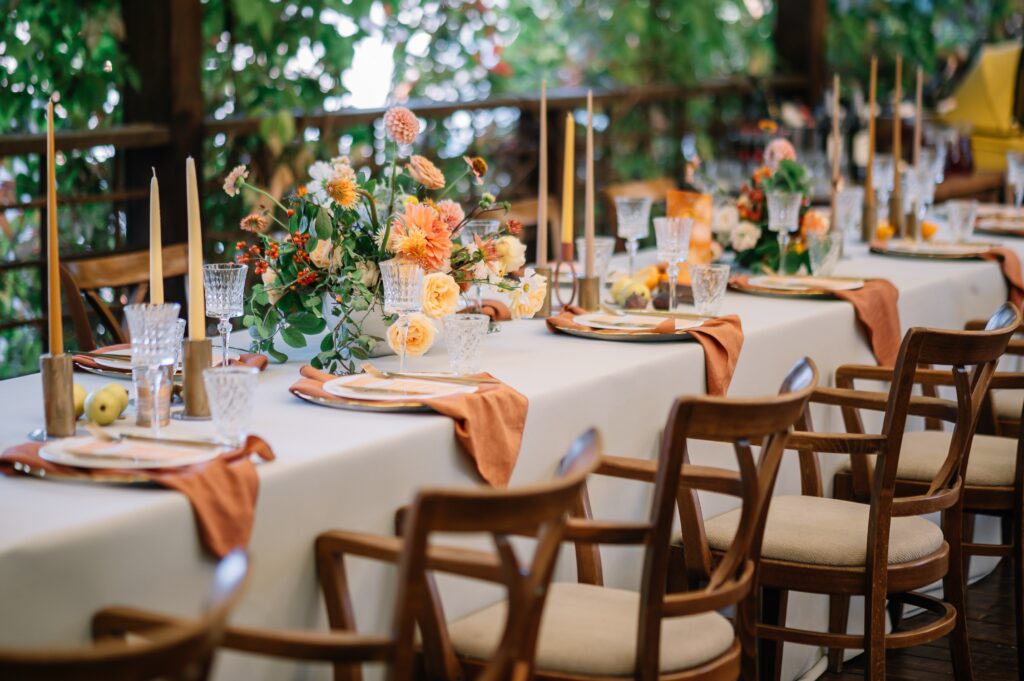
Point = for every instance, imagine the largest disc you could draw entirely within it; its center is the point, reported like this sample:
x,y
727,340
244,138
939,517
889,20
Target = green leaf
x,y
324,229
293,337
306,322
277,355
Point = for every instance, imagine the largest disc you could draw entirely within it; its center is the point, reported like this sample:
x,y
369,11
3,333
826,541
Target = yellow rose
x,y
511,253
440,295
420,337
321,255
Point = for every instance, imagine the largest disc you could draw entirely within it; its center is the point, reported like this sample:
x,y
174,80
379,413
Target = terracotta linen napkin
x,y
1010,264
495,309
245,359
875,308
721,338
222,491
489,423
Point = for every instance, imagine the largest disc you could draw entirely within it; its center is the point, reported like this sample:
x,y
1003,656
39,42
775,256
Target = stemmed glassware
x,y
883,181
848,211
1015,176
673,236
154,336
403,295
923,186
783,218
468,236
225,298
633,214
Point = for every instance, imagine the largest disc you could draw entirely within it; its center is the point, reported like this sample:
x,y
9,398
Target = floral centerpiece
x,y
316,253
745,230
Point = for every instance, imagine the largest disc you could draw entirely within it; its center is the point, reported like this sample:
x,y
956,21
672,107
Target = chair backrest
x,y
972,357
83,280
179,652
535,510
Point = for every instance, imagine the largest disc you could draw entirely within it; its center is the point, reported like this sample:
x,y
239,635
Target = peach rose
x,y
422,170
420,336
321,255
440,295
273,293
511,253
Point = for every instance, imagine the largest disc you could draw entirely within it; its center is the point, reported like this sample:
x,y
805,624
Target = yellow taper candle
x,y
542,180
588,220
156,253
196,302
53,309
567,181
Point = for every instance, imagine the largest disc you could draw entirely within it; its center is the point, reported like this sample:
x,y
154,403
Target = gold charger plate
x,y
882,249
98,477
996,231
804,294
631,337
365,405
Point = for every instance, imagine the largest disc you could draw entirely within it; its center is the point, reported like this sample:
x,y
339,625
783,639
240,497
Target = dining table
x,y
68,548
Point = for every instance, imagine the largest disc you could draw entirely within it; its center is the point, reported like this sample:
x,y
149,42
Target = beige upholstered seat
x,y
822,531
992,460
592,630
1007,404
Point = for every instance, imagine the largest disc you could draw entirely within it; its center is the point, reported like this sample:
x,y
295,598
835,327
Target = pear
x,y
120,392
102,407
80,395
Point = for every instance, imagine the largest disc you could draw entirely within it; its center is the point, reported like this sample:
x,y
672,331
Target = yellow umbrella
x,y
985,97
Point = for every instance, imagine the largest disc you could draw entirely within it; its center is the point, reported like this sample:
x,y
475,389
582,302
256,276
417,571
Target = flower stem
x,y
454,182
260,191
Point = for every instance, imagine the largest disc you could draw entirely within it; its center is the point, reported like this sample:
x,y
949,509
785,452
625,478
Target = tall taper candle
x,y
869,217
896,217
588,219
55,317
918,115
542,180
837,152
196,300
156,252
568,180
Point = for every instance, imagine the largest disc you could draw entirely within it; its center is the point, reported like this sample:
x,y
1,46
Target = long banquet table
x,y
67,549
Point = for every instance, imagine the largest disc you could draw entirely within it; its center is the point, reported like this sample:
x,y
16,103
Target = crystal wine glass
x,y
673,236
923,185
154,336
225,298
604,247
849,201
1015,176
403,295
633,214
472,230
883,181
783,218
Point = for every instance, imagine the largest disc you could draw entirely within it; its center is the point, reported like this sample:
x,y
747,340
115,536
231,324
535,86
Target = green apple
x,y
120,392
80,395
102,407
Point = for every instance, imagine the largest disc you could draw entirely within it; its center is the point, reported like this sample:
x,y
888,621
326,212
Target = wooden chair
x,y
656,190
590,631
83,279
539,510
1001,412
525,210
180,651
883,548
992,472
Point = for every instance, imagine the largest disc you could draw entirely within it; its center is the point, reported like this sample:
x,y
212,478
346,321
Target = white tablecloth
x,y
67,549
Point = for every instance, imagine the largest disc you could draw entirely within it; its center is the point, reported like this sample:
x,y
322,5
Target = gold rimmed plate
x,y
767,286
629,336
409,407
933,250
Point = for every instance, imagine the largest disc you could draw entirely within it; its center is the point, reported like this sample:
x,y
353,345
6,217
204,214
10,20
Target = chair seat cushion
x,y
992,460
592,630
1007,403
822,531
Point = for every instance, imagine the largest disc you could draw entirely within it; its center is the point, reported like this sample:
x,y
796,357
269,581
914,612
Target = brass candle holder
x,y
58,395
869,220
545,309
198,357
590,293
567,261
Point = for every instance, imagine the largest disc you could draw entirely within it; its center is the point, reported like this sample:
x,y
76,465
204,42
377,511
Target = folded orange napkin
x,y
495,309
721,338
1010,264
875,308
251,359
488,423
222,491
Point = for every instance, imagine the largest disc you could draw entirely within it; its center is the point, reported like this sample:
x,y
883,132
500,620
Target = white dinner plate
x,y
629,322
937,248
779,283
392,389
89,452
126,363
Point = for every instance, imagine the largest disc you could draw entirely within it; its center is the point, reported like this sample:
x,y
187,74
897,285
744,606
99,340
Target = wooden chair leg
x,y
746,631
895,608
874,631
953,586
774,603
1017,556
838,618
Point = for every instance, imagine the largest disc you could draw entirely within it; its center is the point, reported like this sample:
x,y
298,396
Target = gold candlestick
x,y
869,215
590,293
198,356
58,394
545,310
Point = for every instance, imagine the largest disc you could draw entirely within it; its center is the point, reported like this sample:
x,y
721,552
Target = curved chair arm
x,y
836,443
933,407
